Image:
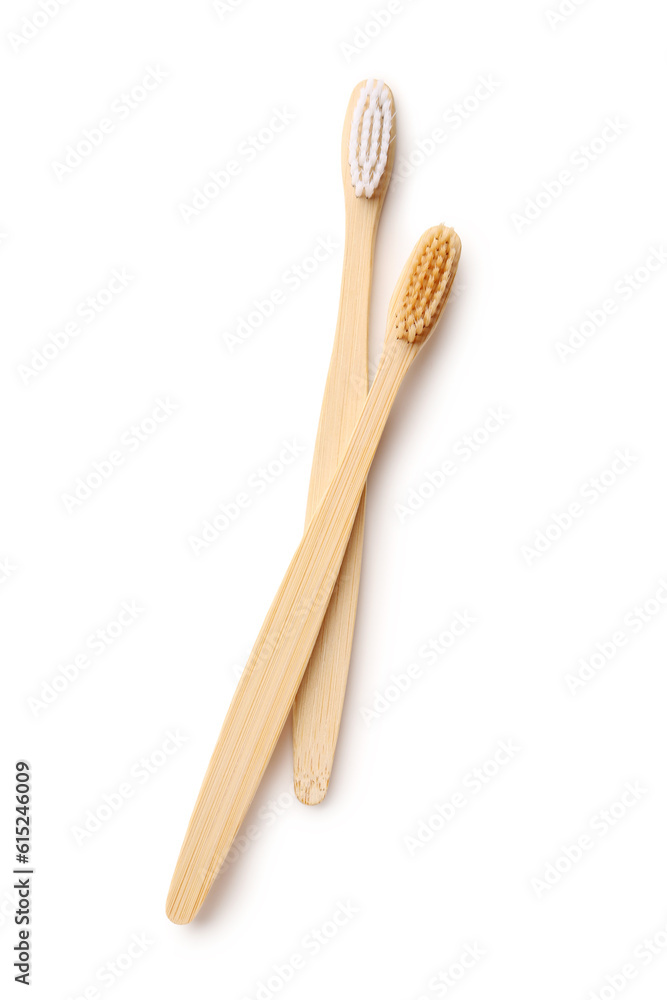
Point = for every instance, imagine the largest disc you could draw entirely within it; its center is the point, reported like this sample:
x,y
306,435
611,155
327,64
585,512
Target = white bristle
x,y
370,132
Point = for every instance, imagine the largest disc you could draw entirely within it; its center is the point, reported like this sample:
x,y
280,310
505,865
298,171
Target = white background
x,y
521,287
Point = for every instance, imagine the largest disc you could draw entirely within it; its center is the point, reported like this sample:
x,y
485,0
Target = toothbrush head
x,y
425,285
370,137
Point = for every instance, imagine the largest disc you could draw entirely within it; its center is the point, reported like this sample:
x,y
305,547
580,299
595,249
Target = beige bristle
x,y
428,283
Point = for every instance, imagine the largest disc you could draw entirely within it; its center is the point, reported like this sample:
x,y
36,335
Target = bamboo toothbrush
x,y
367,160
269,683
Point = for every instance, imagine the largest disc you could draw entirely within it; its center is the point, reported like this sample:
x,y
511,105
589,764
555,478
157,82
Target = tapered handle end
x,y
310,786
187,893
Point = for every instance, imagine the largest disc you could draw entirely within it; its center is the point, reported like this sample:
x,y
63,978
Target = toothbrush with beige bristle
x,y
367,160
269,683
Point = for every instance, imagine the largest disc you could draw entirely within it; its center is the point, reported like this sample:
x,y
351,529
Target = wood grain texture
x,y
318,707
269,683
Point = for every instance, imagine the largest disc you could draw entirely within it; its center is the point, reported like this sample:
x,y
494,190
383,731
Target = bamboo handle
x,y
270,680
319,702
318,706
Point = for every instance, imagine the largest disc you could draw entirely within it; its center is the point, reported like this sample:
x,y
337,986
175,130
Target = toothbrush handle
x,y
270,680
318,706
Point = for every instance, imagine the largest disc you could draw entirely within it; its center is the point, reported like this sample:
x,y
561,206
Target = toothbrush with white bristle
x,y
370,137
269,683
367,160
